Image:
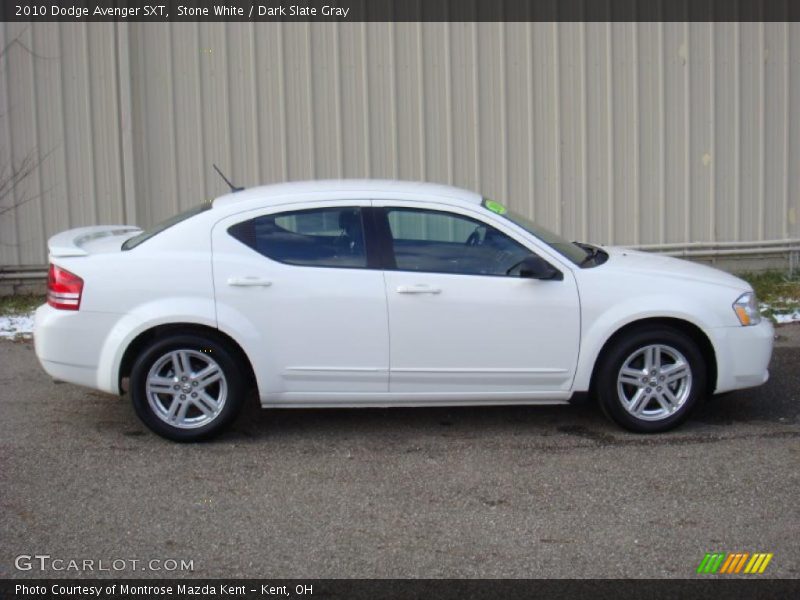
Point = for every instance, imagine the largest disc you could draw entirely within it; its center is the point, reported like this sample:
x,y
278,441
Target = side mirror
x,y
535,267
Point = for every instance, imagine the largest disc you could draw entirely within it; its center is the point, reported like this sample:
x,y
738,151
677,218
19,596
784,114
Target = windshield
x,y
568,249
156,229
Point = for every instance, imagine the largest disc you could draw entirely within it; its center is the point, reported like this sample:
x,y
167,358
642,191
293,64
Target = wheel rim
x,y
654,382
186,389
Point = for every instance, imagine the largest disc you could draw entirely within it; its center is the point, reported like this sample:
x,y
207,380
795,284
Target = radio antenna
x,y
234,189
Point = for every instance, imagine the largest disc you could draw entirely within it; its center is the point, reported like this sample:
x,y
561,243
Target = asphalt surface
x,y
473,492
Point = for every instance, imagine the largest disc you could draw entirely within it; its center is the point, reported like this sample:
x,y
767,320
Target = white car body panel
x,y
478,334
346,337
481,334
317,329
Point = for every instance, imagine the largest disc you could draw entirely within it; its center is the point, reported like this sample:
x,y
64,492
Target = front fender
x,y
600,326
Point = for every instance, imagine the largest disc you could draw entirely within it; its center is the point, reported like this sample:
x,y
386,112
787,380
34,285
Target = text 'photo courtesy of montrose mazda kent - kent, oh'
x,y
368,293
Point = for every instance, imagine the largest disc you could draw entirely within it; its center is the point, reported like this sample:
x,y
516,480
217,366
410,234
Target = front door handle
x,y
248,282
418,289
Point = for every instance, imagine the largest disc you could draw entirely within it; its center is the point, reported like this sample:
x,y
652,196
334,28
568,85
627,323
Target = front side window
x,y
323,237
440,242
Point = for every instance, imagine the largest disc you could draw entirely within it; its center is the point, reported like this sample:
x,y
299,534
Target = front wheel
x,y
650,379
187,387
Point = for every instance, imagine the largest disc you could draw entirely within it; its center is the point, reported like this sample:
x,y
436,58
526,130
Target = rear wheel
x,y
187,387
650,379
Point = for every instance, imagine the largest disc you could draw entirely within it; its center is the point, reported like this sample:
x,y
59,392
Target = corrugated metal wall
x,y
612,132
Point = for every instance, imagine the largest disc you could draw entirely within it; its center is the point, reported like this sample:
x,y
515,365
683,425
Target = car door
x,y
459,324
296,286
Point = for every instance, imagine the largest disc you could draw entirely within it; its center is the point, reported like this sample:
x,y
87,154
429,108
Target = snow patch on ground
x,y
21,325
782,310
790,317
16,326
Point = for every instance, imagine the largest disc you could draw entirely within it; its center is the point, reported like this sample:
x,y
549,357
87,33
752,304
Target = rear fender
x,y
146,316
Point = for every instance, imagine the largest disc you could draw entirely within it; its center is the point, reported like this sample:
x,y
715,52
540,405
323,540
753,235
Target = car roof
x,y
381,188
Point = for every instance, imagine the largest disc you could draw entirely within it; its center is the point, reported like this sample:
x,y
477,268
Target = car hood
x,y
646,263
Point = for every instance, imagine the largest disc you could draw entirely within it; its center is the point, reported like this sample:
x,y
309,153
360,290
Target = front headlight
x,y
746,309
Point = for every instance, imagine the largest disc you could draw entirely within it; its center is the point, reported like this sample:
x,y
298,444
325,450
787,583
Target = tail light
x,y
64,289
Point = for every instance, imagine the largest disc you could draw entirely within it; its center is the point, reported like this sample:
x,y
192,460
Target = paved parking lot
x,y
474,492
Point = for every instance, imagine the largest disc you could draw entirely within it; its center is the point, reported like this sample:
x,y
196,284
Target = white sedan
x,y
385,293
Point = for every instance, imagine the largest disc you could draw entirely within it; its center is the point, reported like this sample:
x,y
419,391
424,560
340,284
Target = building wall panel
x,y
792,158
621,133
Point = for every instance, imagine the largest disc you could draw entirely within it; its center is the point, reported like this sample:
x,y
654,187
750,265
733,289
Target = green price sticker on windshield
x,y
495,207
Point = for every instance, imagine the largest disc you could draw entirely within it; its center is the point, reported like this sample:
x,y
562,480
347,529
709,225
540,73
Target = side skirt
x,y
388,400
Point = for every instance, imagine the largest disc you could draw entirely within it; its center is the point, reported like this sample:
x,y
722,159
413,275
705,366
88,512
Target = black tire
x,y
198,348
659,418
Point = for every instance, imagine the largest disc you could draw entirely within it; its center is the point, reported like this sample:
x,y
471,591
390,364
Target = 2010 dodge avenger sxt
x,y
381,293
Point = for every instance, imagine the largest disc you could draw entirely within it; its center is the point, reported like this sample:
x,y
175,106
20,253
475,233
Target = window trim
x,y
384,250
389,261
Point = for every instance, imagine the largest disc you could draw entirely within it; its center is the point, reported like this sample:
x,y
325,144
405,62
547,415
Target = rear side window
x,y
156,229
323,237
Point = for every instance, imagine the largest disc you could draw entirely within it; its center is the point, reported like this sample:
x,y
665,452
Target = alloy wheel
x,y
654,382
186,388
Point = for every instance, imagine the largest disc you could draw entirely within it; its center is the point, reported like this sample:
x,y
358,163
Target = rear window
x,y
166,224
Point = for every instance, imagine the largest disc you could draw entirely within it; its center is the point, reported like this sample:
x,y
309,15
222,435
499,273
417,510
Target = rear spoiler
x,y
70,243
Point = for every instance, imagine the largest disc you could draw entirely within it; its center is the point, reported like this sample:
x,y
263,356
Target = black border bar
x,y
709,587
402,10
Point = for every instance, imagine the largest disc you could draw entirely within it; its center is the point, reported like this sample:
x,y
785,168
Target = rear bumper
x,y
68,344
743,355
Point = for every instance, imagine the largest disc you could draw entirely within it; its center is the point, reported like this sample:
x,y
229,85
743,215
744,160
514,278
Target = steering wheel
x,y
344,244
474,238
514,266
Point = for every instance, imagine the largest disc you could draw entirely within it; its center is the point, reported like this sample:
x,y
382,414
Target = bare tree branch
x,y
14,174
17,42
12,177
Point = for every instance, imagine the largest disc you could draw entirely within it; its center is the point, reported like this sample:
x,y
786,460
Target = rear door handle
x,y
418,289
248,282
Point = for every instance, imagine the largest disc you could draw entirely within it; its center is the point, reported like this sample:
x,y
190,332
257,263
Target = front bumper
x,y
743,355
